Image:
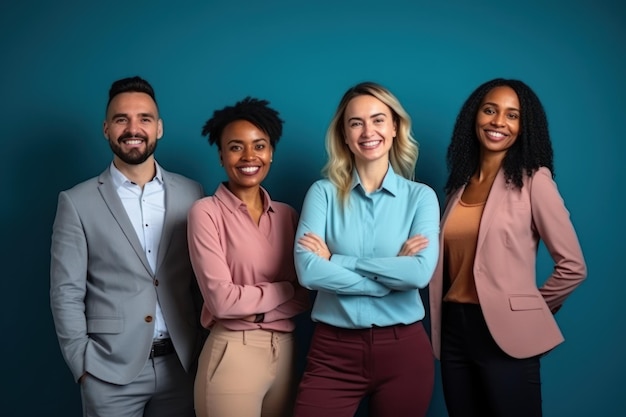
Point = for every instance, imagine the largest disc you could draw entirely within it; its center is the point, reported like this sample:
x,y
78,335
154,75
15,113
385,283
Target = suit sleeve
x,y
68,283
195,289
552,222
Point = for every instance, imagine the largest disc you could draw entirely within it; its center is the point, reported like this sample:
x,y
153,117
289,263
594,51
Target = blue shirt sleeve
x,y
316,273
403,273
365,283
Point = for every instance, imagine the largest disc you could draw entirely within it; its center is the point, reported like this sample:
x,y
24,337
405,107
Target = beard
x,y
134,156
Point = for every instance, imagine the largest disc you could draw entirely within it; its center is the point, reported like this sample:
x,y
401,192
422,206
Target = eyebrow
x,y
496,105
150,115
241,141
373,116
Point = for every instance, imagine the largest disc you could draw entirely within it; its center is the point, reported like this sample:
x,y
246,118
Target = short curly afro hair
x,y
253,110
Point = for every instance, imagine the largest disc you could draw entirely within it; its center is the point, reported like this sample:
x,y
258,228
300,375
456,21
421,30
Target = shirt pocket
x,y
526,302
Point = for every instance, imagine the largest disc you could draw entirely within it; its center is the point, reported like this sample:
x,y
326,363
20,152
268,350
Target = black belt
x,y
161,347
374,333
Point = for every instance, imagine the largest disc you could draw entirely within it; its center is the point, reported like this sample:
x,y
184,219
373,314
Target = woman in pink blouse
x,y
241,245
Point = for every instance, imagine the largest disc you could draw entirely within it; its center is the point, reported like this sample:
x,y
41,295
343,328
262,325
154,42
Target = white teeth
x,y
134,142
370,144
249,170
495,134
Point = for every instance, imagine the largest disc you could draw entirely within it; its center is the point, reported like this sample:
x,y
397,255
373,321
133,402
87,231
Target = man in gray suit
x,y
122,291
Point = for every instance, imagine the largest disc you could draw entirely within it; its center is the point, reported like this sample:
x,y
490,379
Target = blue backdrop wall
x,y
59,58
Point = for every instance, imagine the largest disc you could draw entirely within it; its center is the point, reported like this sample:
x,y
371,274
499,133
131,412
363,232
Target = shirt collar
x,y
390,182
119,179
234,203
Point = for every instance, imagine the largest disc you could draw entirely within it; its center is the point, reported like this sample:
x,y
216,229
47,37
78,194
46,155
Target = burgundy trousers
x,y
393,366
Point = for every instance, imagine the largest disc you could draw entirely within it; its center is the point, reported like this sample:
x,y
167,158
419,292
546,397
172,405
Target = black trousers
x,y
478,378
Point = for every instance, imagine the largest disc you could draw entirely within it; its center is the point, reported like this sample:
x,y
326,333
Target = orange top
x,y
460,237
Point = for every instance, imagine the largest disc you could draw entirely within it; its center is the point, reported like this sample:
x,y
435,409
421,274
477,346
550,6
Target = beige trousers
x,y
248,373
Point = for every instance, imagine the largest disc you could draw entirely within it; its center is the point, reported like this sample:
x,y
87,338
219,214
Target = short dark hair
x,y
253,110
134,84
531,150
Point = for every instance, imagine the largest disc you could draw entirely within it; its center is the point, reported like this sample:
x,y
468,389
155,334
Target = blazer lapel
x,y
113,202
172,210
496,194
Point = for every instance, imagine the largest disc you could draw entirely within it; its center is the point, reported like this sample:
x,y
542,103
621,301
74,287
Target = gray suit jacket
x,y
103,293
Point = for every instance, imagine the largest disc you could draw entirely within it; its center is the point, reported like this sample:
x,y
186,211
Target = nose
x,y
133,126
498,119
368,129
248,153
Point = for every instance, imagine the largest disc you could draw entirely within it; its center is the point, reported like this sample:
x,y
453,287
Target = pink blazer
x,y
518,314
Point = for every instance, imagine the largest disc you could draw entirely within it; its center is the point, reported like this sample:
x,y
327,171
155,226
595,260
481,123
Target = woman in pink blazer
x,y
490,323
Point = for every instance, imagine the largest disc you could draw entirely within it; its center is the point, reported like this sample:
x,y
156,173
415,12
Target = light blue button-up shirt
x,y
365,283
145,208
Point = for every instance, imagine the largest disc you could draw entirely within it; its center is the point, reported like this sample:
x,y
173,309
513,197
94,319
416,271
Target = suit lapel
x,y
113,202
172,210
494,199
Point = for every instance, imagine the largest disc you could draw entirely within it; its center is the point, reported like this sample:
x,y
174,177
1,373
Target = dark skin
x,y
246,155
497,128
244,146
479,185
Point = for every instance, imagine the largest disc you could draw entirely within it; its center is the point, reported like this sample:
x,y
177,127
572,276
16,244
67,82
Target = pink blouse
x,y
243,268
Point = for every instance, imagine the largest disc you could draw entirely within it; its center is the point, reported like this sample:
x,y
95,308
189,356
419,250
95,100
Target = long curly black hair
x,y
253,110
531,150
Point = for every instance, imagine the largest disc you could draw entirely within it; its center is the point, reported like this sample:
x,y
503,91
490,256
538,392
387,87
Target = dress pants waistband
x,y
252,336
450,307
395,332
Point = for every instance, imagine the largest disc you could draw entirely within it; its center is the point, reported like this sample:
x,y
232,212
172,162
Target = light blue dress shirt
x,y
145,208
365,283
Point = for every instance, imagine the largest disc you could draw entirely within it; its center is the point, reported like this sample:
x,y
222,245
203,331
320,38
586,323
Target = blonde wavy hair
x,y
340,164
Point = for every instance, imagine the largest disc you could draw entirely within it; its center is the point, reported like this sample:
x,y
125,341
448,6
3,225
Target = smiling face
x,y
498,120
246,154
369,129
132,127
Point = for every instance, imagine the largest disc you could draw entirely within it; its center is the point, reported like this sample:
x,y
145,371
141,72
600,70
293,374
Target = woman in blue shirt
x,y
367,241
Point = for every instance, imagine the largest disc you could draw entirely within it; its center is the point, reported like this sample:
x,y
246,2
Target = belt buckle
x,y
161,348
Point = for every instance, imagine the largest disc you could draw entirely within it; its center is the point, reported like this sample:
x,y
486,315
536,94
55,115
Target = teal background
x,y
58,60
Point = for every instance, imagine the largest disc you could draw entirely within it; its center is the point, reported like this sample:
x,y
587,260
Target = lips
x,y
132,140
249,170
370,144
495,135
